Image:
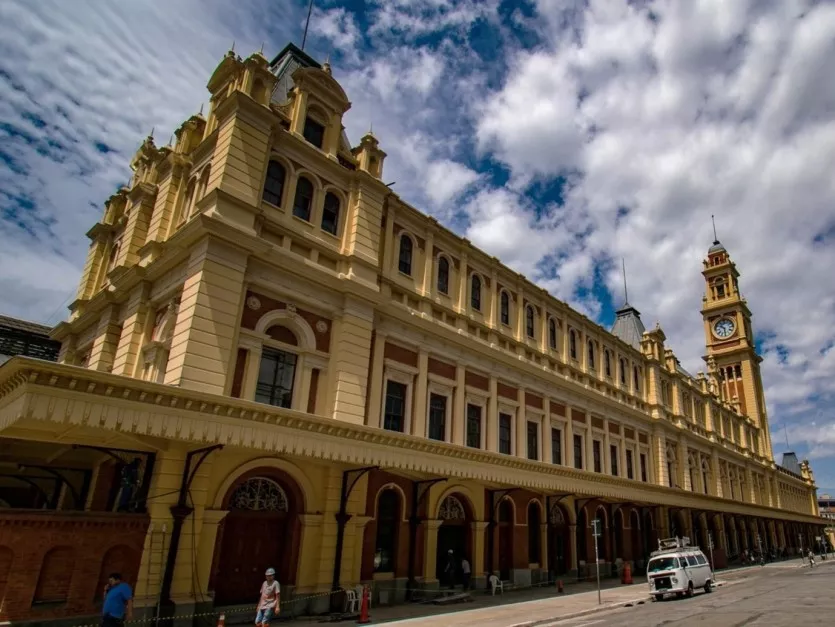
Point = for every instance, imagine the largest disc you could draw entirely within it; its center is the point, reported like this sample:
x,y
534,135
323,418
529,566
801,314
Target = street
x,y
775,597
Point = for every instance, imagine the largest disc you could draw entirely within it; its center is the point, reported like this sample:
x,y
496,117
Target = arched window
x,y
314,132
452,509
505,308
475,293
443,275
274,185
529,321
304,199
330,213
534,534
552,334
636,375
275,378
607,362
591,354
405,259
622,371
54,578
259,494
705,478
204,182
572,343
388,524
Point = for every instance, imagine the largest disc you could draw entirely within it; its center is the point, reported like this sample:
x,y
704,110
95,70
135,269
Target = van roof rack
x,y
671,545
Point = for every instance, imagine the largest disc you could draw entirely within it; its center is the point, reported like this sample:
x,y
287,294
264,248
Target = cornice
x,y
64,394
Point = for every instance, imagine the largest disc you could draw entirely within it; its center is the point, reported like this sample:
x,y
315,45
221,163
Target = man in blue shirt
x,y
118,602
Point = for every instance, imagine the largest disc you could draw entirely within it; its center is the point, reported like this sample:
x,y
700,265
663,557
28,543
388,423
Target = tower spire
x,y
625,292
715,238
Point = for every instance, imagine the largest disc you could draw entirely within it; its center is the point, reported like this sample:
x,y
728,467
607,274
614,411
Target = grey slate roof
x,y
717,247
628,326
790,463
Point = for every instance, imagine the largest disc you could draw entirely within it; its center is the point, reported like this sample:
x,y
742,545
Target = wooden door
x,y
251,543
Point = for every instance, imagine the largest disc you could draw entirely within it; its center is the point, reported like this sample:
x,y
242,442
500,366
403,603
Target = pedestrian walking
x,y
269,601
118,602
449,569
811,559
466,572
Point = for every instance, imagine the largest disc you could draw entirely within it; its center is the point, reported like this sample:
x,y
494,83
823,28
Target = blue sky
x,y
559,136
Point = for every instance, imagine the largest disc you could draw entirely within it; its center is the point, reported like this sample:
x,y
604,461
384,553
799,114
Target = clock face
x,y
724,327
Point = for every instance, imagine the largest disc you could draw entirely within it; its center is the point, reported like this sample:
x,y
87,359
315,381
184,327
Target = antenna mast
x,y
713,219
786,431
307,23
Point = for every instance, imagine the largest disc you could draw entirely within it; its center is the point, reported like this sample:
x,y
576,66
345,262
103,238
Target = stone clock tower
x,y
732,360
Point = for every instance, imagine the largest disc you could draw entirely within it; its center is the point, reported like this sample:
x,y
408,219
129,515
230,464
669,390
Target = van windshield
x,y
662,563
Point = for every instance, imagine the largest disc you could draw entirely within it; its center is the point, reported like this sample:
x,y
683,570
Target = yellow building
x,y
273,360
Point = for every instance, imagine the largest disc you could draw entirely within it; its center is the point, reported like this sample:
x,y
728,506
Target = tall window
x,y
505,422
395,414
443,275
405,258
607,362
529,321
591,354
578,451
388,518
644,477
533,440
630,473
274,185
622,371
613,459
304,199
330,213
473,426
705,480
475,293
692,472
598,461
552,334
637,379
314,132
556,446
505,308
534,531
437,417
572,344
670,474
275,378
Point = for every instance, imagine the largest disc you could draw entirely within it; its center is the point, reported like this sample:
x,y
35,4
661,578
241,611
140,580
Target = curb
x,y
593,610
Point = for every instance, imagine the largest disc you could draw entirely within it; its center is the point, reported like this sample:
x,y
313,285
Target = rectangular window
x,y
437,417
598,461
613,458
533,440
578,452
505,422
643,467
473,426
556,446
630,474
395,414
275,378
314,132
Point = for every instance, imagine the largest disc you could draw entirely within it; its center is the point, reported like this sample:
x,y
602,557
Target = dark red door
x,y
251,544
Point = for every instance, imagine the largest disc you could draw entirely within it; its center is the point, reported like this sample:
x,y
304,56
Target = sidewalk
x,y
519,608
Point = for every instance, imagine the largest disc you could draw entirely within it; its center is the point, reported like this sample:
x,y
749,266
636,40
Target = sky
x,y
558,136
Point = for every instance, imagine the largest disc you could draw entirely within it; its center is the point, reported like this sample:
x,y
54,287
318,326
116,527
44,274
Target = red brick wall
x,y
55,560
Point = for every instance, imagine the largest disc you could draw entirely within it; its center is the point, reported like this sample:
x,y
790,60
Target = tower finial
x,y
307,23
715,238
201,109
625,292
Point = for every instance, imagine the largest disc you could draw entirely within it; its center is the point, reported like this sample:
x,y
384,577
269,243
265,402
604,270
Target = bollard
x,y
364,617
559,586
221,620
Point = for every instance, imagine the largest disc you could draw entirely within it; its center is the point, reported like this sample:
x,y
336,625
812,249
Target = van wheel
x,y
708,586
659,597
689,589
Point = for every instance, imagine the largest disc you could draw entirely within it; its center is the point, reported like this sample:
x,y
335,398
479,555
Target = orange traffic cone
x,y
364,617
627,574
221,620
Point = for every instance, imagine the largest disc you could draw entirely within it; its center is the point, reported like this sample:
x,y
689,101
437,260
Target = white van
x,y
676,567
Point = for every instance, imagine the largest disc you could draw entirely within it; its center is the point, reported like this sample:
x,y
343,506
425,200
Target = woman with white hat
x,y
268,604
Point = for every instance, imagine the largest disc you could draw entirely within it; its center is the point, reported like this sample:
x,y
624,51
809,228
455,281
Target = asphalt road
x,y
776,598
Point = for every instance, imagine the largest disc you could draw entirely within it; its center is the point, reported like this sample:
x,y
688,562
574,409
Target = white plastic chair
x,y
495,584
351,602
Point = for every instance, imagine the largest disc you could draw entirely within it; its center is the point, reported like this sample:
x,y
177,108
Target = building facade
x,y
30,339
273,360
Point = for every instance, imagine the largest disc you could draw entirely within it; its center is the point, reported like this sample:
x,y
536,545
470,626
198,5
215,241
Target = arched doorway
x,y
453,537
534,533
261,531
388,530
558,542
619,523
582,536
648,534
636,539
506,522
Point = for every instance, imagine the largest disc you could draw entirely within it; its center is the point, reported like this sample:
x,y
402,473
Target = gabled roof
x,y
628,326
283,65
790,463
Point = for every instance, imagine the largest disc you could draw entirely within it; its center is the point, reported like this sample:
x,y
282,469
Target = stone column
x,y
428,287
308,578
479,573
492,435
463,282
375,394
207,547
572,535
419,408
459,409
430,548
543,545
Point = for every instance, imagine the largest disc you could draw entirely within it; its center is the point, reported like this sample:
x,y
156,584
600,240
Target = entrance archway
x,y
261,531
506,523
453,538
559,539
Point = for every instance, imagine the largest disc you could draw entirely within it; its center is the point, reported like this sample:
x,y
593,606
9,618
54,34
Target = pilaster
x,y
419,408
134,328
459,409
492,435
106,341
375,395
351,349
